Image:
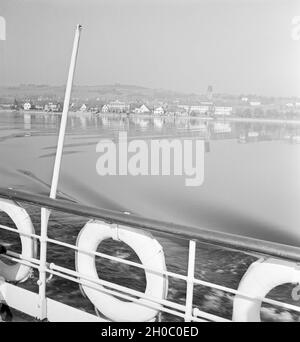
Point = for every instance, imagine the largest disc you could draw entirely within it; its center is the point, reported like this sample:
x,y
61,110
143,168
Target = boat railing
x,y
41,307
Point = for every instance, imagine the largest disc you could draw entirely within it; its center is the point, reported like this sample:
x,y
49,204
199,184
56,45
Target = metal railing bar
x,y
200,320
203,235
114,293
184,278
124,296
225,289
281,304
23,262
127,262
116,287
197,312
21,257
82,282
244,295
178,306
12,256
174,305
16,231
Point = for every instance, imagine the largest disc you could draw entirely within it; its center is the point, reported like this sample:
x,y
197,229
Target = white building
x,y
27,106
158,122
201,109
159,111
53,107
83,108
255,103
105,109
118,106
223,111
142,110
206,103
185,107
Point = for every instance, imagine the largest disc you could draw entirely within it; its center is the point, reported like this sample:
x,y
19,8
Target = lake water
x,y
251,171
251,187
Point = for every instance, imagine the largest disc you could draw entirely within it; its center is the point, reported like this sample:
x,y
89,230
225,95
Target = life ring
x,y
18,272
261,277
150,253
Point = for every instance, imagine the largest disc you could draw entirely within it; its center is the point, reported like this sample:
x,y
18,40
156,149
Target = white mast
x,y
64,116
45,213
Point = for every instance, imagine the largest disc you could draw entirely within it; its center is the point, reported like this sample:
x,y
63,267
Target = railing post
x,y
42,304
190,281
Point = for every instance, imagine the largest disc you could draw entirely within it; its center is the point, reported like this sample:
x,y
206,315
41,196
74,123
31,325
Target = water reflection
x,y
27,121
243,132
158,123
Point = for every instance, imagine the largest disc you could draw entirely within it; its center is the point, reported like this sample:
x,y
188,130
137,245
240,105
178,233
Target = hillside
x,y
88,93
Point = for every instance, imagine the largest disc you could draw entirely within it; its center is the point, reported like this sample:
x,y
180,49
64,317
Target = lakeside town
x,y
122,99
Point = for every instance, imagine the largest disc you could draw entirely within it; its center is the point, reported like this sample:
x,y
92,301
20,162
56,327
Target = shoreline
x,y
150,116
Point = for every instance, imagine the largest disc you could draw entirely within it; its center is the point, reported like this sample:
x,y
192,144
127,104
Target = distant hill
x,y
101,94
89,93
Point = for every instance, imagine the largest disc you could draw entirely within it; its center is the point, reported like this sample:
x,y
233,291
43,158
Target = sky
x,y
238,46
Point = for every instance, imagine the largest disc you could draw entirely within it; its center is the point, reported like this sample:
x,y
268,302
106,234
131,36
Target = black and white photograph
x,y
150,163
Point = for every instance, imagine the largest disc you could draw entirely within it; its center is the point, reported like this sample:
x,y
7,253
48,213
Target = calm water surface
x,y
251,184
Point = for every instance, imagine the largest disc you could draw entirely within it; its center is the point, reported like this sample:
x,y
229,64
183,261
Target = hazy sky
x,y
238,46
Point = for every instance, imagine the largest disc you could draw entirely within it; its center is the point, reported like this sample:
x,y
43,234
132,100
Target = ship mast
x,y
45,213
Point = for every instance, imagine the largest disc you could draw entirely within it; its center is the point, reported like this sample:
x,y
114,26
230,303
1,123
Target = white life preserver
x,y
261,277
151,255
18,272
